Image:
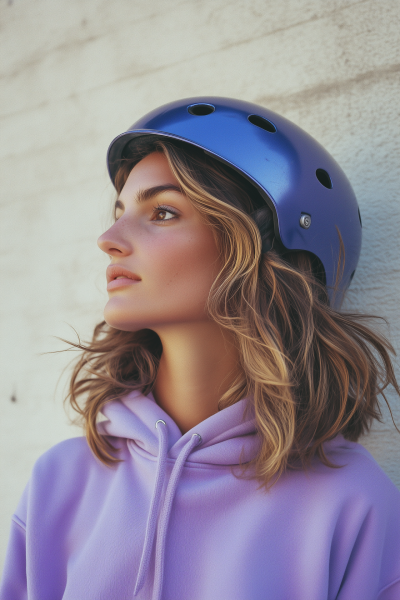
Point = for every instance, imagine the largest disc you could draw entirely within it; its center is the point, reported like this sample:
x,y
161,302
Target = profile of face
x,y
164,257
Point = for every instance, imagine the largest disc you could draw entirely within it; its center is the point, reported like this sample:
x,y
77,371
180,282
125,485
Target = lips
x,y
114,271
118,276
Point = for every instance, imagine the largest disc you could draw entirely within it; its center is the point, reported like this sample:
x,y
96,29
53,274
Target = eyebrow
x,y
147,194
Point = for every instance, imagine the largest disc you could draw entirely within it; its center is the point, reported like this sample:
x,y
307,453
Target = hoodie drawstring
x,y
166,511
154,506
194,441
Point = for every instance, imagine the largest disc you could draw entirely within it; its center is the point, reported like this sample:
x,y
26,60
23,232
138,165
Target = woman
x,y
233,389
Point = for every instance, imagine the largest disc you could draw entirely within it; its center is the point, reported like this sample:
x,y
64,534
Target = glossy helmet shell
x,y
294,174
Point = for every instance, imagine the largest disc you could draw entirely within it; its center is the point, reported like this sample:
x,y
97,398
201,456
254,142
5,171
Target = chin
x,y
115,316
125,319
125,316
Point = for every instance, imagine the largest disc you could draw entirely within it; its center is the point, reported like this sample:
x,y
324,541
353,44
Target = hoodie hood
x,y
228,437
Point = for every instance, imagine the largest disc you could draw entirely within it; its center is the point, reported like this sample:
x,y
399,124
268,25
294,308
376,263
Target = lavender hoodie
x,y
172,522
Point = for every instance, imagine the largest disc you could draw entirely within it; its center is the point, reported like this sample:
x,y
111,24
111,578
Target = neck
x,y
198,364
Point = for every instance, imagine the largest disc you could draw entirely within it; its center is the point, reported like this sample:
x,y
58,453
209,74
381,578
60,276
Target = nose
x,y
113,243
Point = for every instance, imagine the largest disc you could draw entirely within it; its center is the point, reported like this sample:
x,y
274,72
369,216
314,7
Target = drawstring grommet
x,y
160,421
200,438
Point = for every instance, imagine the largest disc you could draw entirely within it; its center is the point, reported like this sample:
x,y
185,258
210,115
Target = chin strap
x,y
165,513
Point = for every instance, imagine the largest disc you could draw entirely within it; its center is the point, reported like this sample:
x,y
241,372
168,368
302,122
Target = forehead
x,y
151,171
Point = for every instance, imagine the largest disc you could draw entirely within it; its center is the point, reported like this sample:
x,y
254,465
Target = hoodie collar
x,y
228,437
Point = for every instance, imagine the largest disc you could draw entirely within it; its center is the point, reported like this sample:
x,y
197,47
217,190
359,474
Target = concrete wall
x,y
76,73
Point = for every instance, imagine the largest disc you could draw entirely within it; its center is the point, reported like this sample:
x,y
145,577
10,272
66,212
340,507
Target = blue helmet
x,y
310,196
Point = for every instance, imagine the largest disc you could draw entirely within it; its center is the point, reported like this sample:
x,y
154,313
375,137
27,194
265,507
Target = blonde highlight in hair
x,y
311,371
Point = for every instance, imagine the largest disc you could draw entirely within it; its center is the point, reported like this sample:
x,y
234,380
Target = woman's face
x,y
163,256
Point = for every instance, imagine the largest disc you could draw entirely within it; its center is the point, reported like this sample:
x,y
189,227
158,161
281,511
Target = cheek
x,y
184,267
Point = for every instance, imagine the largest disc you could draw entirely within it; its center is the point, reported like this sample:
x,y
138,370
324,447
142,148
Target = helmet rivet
x,y
305,221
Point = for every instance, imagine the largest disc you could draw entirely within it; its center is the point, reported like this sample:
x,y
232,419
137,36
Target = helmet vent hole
x,y
323,178
262,123
359,216
352,275
200,110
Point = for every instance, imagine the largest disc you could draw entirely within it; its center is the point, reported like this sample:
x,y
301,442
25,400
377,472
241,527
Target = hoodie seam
x,y
19,522
392,583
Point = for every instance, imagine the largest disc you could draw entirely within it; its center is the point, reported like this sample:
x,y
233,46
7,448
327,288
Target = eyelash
x,y
160,208
156,209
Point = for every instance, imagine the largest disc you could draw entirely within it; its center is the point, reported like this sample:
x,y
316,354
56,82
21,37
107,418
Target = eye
x,y
118,209
163,213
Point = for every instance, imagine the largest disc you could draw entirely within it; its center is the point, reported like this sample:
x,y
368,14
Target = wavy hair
x,y
312,371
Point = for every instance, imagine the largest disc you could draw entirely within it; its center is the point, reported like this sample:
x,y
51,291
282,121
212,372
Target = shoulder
x,y
50,469
72,457
62,461
354,485
367,524
63,475
71,466
65,454
359,475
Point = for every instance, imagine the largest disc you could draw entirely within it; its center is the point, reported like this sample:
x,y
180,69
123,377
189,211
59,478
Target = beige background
x,y
74,73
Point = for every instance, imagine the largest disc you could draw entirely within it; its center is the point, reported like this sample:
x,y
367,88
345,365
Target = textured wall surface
x,y
76,73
